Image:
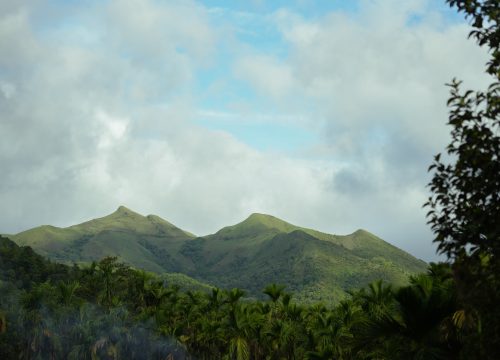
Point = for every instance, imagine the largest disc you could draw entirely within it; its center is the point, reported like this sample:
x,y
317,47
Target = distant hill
x,y
260,250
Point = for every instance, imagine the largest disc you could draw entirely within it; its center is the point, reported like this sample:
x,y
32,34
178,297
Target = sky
x,y
323,113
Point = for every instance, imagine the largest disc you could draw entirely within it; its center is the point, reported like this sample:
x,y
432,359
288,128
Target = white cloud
x,y
375,81
377,72
7,89
267,75
89,125
86,133
112,129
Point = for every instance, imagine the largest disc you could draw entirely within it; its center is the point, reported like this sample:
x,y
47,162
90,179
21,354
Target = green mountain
x,y
314,265
260,250
141,241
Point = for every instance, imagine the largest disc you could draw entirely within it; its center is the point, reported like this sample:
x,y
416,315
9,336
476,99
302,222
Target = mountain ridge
x,y
250,254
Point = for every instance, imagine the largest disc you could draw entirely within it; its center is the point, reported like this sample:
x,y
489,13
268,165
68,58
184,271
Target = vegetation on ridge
x,y
260,250
109,311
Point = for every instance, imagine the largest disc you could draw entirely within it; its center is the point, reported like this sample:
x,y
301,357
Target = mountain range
x,y
262,249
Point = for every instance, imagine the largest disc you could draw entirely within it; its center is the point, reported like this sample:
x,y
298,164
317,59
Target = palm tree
x,y
214,299
234,295
141,286
415,329
40,336
239,330
274,291
377,300
83,334
106,273
330,335
66,292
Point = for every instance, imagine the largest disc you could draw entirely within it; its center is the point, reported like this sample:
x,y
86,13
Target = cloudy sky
x,y
323,113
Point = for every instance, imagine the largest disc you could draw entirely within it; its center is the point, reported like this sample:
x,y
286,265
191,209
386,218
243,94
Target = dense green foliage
x,y
109,311
465,202
258,251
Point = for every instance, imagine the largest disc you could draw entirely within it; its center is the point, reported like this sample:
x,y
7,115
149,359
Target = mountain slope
x,y
314,265
251,254
142,241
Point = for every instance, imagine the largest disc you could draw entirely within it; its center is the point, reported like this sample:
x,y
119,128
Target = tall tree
x,y
465,204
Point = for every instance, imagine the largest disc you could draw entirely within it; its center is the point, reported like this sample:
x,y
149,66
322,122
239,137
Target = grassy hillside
x,y
314,265
260,250
143,241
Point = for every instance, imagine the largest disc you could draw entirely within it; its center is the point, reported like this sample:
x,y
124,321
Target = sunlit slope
x,y
260,250
314,265
143,241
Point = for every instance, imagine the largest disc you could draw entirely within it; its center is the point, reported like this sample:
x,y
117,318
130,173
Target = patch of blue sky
x,y
233,105
267,40
219,90
77,2
260,134
257,30
448,16
307,8
311,9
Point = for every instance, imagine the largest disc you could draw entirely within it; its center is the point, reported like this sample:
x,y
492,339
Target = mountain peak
x,y
122,208
124,211
258,220
261,217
